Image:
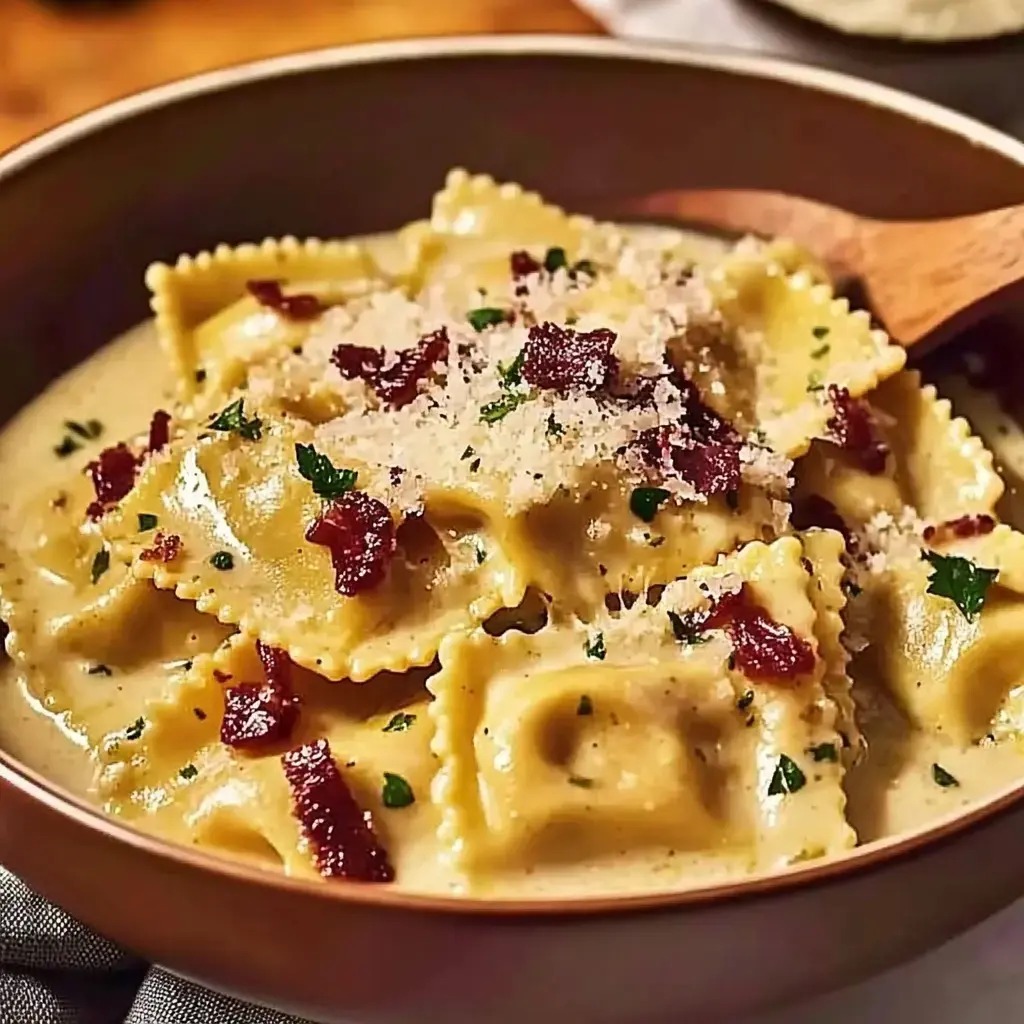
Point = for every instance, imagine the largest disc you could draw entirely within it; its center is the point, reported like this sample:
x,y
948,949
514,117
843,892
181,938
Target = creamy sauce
x,y
892,791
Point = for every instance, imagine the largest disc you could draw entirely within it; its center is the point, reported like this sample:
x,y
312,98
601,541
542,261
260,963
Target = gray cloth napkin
x,y
53,970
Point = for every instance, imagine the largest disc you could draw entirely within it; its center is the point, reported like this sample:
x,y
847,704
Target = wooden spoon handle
x,y
833,235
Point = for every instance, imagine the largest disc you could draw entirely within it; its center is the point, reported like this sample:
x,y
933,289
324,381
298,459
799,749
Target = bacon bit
x,y
853,429
814,511
523,264
360,534
703,422
959,529
764,649
159,431
338,831
396,383
712,467
561,359
166,548
113,476
256,714
294,307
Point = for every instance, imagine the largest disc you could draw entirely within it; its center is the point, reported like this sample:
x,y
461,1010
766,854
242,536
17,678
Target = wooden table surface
x,y
57,62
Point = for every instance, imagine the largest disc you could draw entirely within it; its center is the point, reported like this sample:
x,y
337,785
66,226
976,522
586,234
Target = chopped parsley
x,y
100,564
821,332
746,700
397,792
486,316
824,752
582,781
512,374
190,771
595,648
99,670
399,722
820,353
555,259
686,628
66,447
468,453
135,730
554,428
89,430
815,381
585,706
328,481
481,551
492,412
959,579
645,501
787,777
232,419
943,778
147,522
474,465
223,561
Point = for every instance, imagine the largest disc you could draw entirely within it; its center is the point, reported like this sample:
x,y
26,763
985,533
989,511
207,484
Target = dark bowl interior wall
x,y
361,148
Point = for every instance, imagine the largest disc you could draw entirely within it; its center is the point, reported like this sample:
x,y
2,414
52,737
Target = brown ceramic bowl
x,y
355,140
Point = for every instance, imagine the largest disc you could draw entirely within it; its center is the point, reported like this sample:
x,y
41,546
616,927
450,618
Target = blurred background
x,y
60,57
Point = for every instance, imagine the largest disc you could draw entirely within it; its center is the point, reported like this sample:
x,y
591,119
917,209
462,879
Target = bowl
x,y
354,140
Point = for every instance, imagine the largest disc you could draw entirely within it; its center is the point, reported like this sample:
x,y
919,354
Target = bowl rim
x,y
36,788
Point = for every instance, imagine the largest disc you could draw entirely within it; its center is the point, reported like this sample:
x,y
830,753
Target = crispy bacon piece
x,y
159,431
295,307
959,529
711,467
853,428
815,511
338,831
256,714
360,534
113,473
166,548
764,649
395,376
561,359
113,476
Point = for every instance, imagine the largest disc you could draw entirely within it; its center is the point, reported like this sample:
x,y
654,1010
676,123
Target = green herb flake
x,y
481,551
554,428
135,730
68,446
585,706
399,722
232,420
645,501
584,267
147,522
821,332
815,381
746,700
100,564
468,453
492,412
328,481
89,430
595,648
555,259
99,670
190,771
787,777
943,778
512,374
397,792
474,465
824,752
959,579
581,781
223,561
687,628
820,353
486,316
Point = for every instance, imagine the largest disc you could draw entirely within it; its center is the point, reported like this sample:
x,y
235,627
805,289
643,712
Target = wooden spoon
x,y
923,280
